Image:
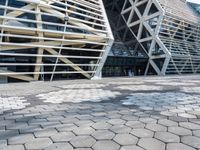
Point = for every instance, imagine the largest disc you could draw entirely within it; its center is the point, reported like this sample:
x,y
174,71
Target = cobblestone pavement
x,y
144,113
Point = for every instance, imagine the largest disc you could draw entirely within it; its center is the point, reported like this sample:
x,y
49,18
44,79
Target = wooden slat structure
x,y
40,39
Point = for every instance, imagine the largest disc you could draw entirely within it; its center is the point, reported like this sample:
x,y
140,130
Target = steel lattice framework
x,y
168,31
51,37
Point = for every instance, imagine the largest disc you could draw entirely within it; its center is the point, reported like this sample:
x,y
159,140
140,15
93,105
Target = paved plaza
x,y
142,113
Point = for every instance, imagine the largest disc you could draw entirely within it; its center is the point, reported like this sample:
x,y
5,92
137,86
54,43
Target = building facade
x,y
166,31
71,39
53,39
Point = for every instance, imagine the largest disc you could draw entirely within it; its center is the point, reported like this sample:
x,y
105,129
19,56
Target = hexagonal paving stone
x,y
142,133
45,133
99,114
84,123
82,141
3,143
156,127
167,137
59,146
7,134
151,144
103,135
129,118
17,126
62,137
186,115
84,117
83,130
116,121
39,143
178,119
106,145
66,127
132,147
125,139
179,131
191,141
113,116
196,133
148,120
168,123
135,124
21,139
196,121
83,149
189,125
100,119
178,146
101,125
69,120
13,147
120,129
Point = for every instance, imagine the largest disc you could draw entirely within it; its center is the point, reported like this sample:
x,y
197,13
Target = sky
x,y
194,1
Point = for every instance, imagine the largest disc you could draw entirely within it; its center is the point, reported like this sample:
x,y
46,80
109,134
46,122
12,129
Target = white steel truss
x,y
49,37
169,32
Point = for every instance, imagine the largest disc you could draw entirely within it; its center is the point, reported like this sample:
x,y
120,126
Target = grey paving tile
x,y
59,146
84,130
66,127
21,139
62,137
17,126
8,134
148,120
168,123
45,133
167,137
151,144
131,147
178,119
125,139
30,129
142,133
117,121
83,149
191,141
189,125
39,143
105,144
3,143
178,146
101,125
130,117
120,129
180,131
135,124
84,123
103,135
196,133
156,127
69,120
83,141
13,147
186,115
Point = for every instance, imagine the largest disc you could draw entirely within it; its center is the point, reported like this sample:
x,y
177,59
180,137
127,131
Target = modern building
x,y
72,39
166,32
